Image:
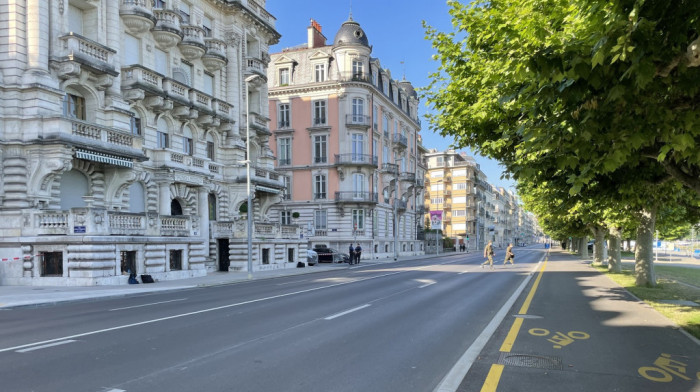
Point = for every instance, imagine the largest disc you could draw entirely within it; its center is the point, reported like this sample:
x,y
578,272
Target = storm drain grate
x,y
529,360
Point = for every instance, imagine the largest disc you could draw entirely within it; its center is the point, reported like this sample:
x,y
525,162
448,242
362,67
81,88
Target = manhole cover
x,y
529,360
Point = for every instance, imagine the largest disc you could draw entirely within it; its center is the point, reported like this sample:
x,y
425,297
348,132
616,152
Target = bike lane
x,y
573,329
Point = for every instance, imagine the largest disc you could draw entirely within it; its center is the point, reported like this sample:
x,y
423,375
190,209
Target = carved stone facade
x,y
122,141
348,137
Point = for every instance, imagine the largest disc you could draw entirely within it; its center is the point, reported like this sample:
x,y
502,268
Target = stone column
x,y
204,218
164,198
38,35
114,42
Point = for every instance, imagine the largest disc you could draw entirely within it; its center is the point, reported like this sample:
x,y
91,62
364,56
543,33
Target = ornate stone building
x,y
122,140
346,134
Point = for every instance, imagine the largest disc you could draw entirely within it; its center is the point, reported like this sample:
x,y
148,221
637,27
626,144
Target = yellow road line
x,y
492,379
512,334
494,376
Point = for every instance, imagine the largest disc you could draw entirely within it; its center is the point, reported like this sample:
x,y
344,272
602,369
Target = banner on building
x,y
436,220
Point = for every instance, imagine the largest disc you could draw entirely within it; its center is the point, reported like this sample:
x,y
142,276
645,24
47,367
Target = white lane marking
x,y
115,390
347,312
463,272
153,303
452,380
196,312
426,285
46,346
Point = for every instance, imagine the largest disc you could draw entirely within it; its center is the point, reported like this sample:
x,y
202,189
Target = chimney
x,y
315,38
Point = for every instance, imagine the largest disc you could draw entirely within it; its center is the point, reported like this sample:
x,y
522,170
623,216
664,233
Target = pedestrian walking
x,y
509,254
351,253
488,253
358,253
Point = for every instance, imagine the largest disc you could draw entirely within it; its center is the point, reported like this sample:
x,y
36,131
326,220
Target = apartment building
x,y
345,134
123,130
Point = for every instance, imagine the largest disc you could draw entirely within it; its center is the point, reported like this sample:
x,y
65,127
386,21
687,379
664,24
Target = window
x,y
284,77
211,199
176,259
285,217
437,200
320,219
211,147
357,69
159,4
284,115
75,19
287,188
52,264
161,61
320,148
320,186
175,208
320,72
358,110
132,50
135,125
358,147
460,186
187,146
374,148
358,185
185,13
266,256
208,83
358,219
375,118
207,26
285,151
319,112
74,106
128,262
162,140
459,213
385,125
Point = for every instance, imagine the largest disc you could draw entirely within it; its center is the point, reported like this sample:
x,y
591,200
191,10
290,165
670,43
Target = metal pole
x,y
396,220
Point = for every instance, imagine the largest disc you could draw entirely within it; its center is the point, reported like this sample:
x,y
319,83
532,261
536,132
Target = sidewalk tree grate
x,y
531,361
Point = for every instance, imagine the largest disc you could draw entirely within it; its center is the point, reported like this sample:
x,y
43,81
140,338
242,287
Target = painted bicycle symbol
x,y
664,369
560,339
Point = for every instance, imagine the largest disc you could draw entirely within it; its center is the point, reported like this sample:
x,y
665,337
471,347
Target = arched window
x,y
187,141
175,208
137,198
162,134
74,185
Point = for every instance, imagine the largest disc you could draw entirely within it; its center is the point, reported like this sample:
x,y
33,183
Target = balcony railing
x,y
284,162
174,159
390,168
400,204
357,120
266,230
356,159
410,177
255,65
355,77
321,159
192,45
87,52
319,121
215,57
400,140
357,197
137,15
320,196
100,133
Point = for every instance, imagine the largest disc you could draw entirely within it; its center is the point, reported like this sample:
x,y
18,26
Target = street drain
x,y
532,361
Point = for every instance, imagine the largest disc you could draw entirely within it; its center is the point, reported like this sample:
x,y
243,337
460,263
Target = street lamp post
x,y
247,163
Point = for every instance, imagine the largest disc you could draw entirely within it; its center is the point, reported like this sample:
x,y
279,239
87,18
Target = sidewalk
x,y
19,296
574,329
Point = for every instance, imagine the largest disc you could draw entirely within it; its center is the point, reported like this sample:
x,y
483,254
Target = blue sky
x,y
395,32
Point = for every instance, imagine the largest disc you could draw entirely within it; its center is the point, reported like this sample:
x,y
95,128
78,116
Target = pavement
x,y
23,296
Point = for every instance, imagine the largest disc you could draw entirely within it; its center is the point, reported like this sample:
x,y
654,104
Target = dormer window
x,y
358,69
284,77
320,72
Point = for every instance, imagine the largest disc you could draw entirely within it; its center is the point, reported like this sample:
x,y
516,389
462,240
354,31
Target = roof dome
x,y
350,33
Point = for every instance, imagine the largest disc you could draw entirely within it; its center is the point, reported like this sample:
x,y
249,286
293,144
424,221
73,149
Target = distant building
x,y
122,137
345,134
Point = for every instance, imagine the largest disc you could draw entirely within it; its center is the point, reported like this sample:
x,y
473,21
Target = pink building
x,y
346,135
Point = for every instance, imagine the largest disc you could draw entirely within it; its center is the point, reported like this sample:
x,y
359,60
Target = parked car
x,y
329,255
311,257
590,246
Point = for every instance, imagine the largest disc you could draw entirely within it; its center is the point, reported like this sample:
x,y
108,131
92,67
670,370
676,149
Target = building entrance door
x,y
224,261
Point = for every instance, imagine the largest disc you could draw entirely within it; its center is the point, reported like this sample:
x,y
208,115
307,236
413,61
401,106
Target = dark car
x,y
329,255
590,246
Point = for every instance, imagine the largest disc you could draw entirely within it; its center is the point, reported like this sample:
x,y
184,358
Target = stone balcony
x,y
356,160
137,16
192,45
408,177
356,197
266,230
77,54
400,141
357,120
258,122
255,66
215,56
188,163
101,222
167,31
264,179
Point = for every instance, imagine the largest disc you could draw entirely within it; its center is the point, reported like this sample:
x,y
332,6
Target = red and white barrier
x,y
25,257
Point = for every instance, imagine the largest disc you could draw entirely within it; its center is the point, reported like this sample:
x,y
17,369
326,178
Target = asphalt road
x,y
382,327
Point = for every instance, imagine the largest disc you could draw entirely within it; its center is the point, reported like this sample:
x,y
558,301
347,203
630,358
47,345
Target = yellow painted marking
x,y
493,378
512,334
528,300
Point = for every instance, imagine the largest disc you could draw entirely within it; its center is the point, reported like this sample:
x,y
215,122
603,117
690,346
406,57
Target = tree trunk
x,y
574,245
599,247
614,254
644,253
583,248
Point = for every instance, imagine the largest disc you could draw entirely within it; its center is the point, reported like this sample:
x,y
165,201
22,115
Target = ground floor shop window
x,y
52,264
176,260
